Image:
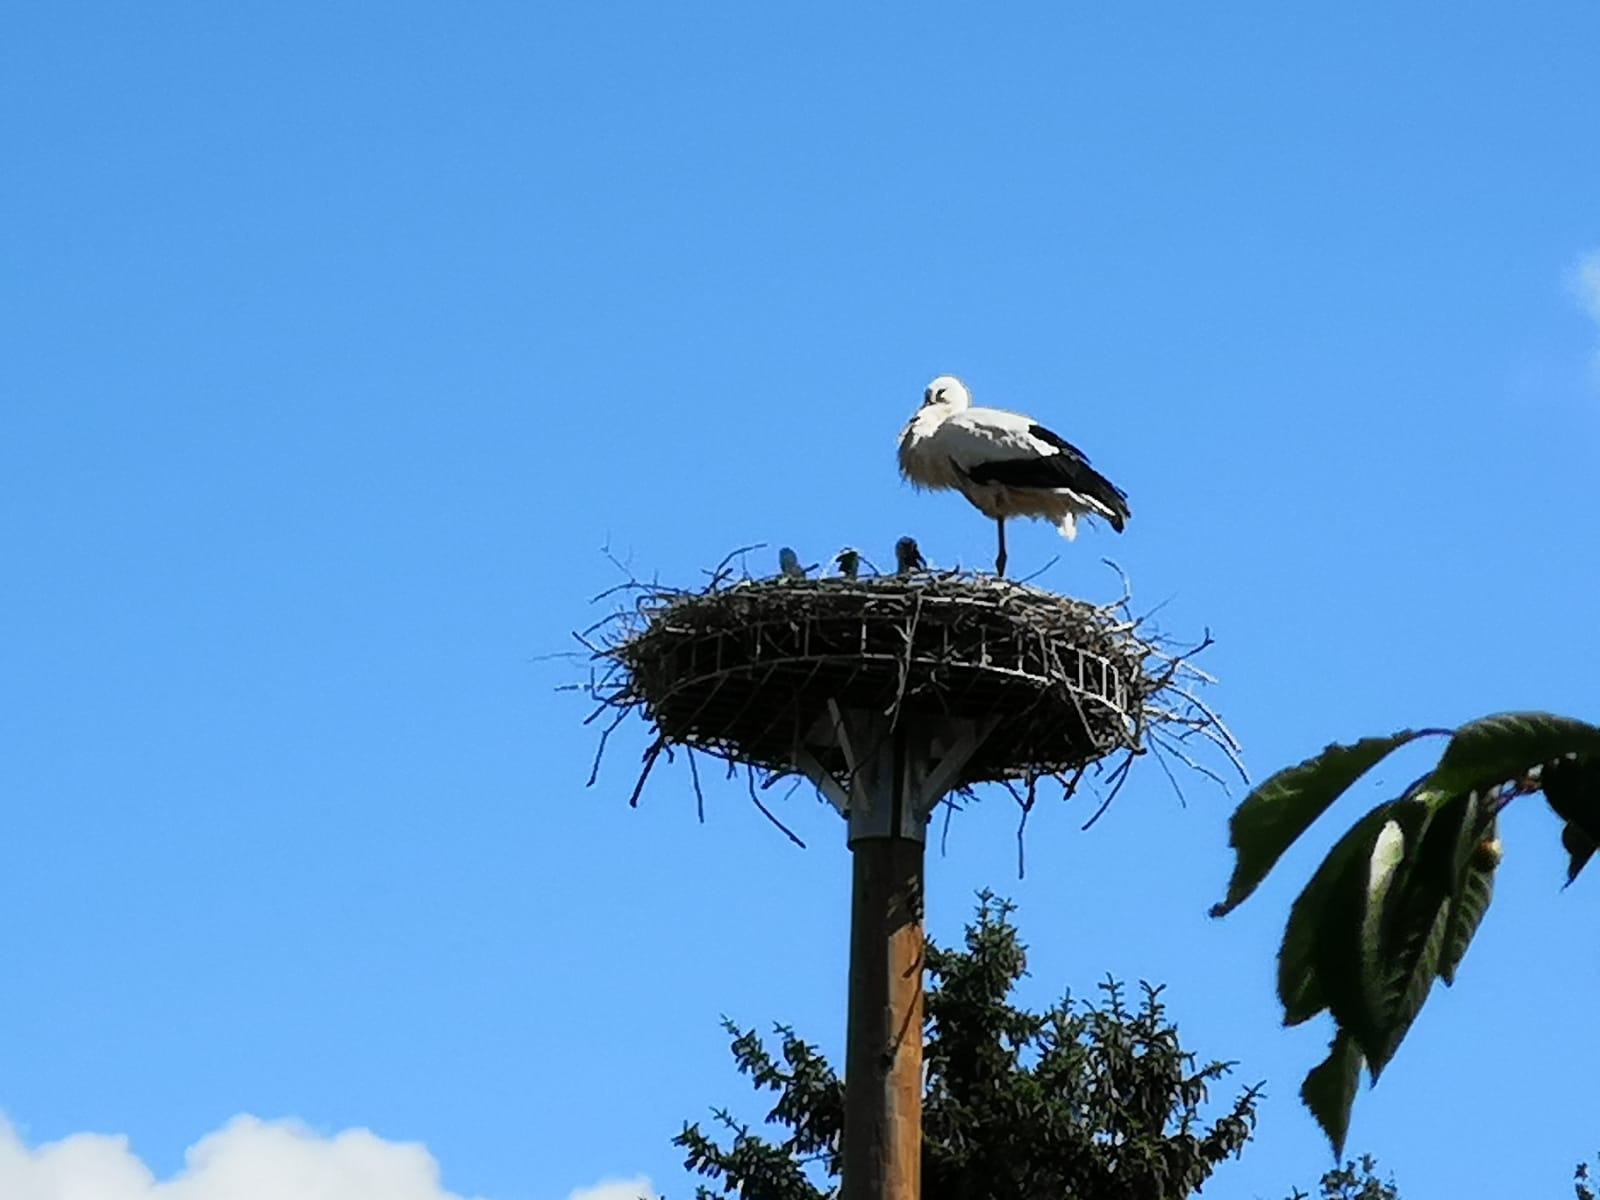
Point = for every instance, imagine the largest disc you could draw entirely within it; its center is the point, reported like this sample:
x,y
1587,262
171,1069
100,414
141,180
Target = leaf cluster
x,y
1081,1100
1397,900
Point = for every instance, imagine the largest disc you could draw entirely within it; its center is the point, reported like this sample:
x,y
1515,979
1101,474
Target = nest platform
x,y
759,672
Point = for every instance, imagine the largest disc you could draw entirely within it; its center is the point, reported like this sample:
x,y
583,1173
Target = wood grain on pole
x,y
883,1064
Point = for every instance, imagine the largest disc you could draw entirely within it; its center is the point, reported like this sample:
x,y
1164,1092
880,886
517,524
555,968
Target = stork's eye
x,y
940,395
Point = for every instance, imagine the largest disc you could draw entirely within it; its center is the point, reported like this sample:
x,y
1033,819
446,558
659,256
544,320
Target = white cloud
x,y
247,1159
1584,280
1584,283
616,1189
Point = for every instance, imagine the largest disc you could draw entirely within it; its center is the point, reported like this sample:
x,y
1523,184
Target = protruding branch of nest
x,y
998,681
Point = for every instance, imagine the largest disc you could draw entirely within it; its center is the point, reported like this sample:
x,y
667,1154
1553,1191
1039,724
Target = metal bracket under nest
x,y
896,772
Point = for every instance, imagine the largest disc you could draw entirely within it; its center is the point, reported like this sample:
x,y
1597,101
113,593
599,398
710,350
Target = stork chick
x,y
789,564
908,557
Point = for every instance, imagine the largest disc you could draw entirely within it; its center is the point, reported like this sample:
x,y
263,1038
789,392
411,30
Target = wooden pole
x,y
883,1058
895,777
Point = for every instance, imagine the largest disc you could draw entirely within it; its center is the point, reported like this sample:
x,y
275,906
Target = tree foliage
x,y
1092,1101
1581,1182
1353,1181
1397,900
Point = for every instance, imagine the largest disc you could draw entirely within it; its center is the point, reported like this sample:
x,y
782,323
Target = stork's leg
x,y
1000,562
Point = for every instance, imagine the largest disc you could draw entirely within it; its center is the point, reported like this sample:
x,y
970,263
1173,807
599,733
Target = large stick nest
x,y
748,671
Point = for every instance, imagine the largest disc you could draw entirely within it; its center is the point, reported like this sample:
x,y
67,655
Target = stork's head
x,y
948,392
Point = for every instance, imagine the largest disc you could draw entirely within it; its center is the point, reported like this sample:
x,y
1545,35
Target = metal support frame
x,y
896,772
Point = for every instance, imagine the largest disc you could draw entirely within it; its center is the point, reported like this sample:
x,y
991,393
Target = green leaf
x,y
1353,944
1494,749
1411,950
1412,945
1579,847
1355,968
1406,921
1330,1089
1413,965
1319,913
1271,817
1454,833
1572,787
1468,903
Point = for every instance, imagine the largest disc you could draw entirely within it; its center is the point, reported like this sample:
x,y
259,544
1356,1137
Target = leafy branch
x,y
1398,898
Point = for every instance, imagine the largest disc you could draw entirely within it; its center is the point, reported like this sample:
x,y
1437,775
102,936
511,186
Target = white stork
x,y
1006,464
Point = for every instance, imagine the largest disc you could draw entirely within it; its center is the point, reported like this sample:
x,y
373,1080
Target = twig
x,y
1054,559
628,585
1173,779
1189,697
910,636
1069,787
767,812
1022,827
1173,749
699,796
572,655
599,751
1118,777
1127,587
1153,611
615,561
650,757
716,572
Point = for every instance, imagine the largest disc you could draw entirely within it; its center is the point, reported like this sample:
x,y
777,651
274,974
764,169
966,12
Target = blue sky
x,y
340,339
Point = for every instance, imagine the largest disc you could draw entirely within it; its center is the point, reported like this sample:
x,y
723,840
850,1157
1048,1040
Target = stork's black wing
x,y
1067,468
1056,440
